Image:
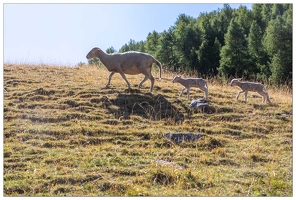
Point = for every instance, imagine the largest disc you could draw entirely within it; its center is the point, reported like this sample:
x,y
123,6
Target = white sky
x,y
62,34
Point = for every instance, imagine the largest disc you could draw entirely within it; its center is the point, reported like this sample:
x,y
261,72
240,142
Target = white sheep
x,y
192,82
127,63
250,86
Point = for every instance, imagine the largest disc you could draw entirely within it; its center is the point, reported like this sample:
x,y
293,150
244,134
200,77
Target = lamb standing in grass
x,y
127,63
192,82
250,86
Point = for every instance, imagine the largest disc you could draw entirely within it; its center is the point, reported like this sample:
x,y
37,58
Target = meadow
x,y
65,134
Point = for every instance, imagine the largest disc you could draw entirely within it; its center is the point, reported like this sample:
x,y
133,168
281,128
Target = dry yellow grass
x,y
65,134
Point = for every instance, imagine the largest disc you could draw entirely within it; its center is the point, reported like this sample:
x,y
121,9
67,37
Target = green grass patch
x,y
65,134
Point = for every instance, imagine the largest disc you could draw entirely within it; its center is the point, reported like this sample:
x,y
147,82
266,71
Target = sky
x,y
62,34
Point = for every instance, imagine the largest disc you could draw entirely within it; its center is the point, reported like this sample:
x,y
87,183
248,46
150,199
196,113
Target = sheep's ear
x,y
239,79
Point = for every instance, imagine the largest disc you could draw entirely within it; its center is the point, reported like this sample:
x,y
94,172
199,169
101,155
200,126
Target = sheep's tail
x,y
159,66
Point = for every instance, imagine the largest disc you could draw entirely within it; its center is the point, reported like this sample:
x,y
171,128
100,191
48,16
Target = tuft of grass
x,y
66,134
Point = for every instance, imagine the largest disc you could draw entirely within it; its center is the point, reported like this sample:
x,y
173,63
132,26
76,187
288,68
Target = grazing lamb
x,y
127,63
192,82
250,86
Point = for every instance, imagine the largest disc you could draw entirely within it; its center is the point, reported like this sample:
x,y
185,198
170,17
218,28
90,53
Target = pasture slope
x,y
65,134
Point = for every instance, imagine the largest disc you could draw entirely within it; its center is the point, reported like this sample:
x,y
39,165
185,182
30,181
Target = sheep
x,y
192,82
250,86
131,63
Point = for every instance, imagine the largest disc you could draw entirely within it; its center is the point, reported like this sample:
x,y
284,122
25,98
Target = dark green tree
x,y
188,40
209,50
256,44
244,19
140,46
110,50
277,10
152,43
133,46
257,52
207,29
257,15
224,17
94,61
167,52
278,43
208,56
124,48
266,13
235,59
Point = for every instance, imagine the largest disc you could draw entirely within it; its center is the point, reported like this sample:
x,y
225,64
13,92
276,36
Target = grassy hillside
x,y
65,134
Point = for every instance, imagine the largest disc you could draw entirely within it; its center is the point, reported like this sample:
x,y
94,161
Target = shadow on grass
x,y
147,105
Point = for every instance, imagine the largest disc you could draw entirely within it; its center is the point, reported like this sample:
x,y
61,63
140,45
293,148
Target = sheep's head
x,y
93,53
234,81
176,78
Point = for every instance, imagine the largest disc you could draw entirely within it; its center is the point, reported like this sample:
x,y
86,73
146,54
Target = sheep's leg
x,y
141,83
188,92
109,79
152,82
237,96
264,96
267,97
182,91
124,78
147,74
246,94
205,92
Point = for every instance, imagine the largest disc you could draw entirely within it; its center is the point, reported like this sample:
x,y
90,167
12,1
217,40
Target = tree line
x,y
255,44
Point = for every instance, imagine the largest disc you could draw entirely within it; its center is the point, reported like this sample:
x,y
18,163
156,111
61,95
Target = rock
x,y
199,104
182,137
169,163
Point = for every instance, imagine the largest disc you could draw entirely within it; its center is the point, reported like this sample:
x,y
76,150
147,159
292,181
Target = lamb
x,y
192,82
132,63
250,86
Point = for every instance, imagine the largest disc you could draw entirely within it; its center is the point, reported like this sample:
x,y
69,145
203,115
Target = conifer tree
x,y
167,52
152,43
258,53
234,55
278,43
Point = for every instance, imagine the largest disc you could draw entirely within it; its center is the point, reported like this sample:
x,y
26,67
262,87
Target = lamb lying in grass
x,y
250,86
192,82
127,63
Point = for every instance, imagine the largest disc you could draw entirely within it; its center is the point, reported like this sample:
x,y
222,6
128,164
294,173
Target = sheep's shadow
x,y
147,105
